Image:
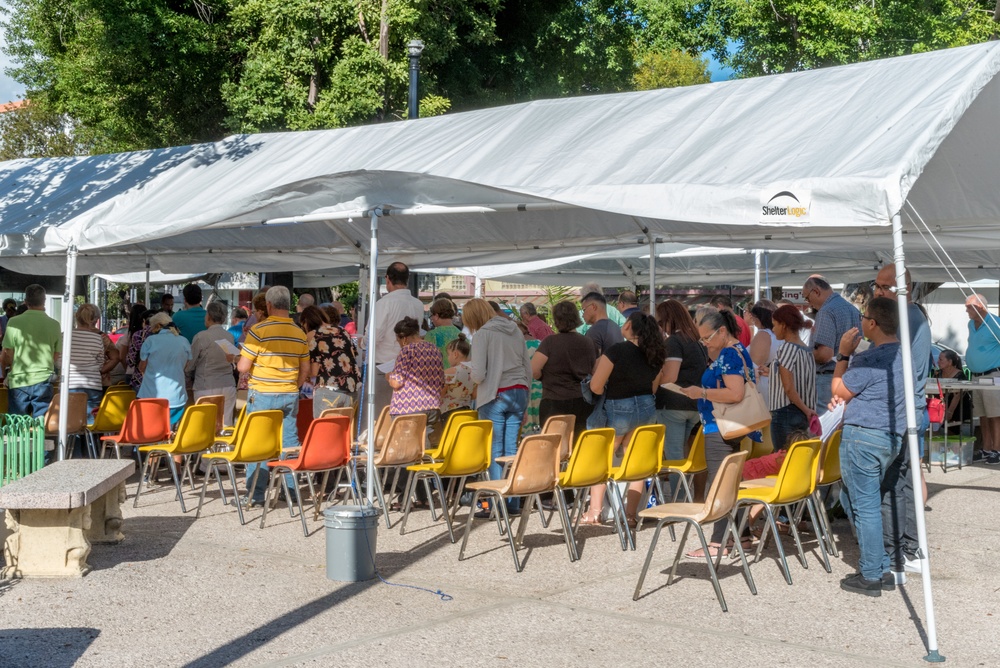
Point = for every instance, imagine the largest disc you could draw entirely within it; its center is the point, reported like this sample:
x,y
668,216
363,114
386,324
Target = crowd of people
x,y
607,363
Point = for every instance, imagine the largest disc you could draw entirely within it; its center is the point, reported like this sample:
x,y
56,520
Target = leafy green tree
x,y
787,35
670,69
131,73
33,130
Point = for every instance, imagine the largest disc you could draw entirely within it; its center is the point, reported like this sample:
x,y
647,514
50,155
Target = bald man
x,y
983,359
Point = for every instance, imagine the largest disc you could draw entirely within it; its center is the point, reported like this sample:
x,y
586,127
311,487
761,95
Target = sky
x,y
10,90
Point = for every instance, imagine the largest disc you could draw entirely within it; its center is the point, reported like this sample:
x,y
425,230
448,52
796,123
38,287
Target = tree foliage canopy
x,y
133,74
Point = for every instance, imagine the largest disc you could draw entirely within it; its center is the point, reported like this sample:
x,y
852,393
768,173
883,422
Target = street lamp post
x,y
415,48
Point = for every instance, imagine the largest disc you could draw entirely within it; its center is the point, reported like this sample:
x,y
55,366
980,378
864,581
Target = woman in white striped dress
x,y
92,353
792,392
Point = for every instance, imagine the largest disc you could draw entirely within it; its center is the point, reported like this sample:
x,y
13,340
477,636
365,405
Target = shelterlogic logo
x,y
785,206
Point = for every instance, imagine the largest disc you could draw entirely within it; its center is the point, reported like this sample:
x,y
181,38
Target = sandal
x,y
632,522
591,521
713,550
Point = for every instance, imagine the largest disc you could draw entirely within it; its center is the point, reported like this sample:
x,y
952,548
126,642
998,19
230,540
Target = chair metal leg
x,y
409,493
456,499
468,525
818,524
381,498
621,520
251,485
447,516
510,534
711,566
738,545
430,499
777,541
204,486
298,500
541,512
680,551
649,558
268,493
138,490
567,526
793,521
824,519
177,481
288,492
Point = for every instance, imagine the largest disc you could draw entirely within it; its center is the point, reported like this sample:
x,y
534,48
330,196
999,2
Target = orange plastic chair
x,y
111,413
195,435
326,448
147,422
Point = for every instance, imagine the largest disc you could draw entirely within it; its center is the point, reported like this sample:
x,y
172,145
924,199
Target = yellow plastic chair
x,y
589,465
642,461
468,455
194,436
402,446
720,502
796,481
829,474
535,471
257,440
227,438
111,413
448,433
687,468
755,449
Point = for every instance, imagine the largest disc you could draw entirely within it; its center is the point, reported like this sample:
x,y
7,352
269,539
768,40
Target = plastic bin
x,y
351,535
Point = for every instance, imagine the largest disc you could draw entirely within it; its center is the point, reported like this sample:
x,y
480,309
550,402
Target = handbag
x,y
935,407
749,414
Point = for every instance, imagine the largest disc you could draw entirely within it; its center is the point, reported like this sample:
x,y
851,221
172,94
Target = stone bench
x,y
56,513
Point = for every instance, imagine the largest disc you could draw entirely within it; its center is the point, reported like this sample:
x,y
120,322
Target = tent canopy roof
x,y
849,144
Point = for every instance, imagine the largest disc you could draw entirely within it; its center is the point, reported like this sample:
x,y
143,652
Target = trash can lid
x,y
352,512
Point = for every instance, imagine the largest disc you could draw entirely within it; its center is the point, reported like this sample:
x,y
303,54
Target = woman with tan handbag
x,y
724,382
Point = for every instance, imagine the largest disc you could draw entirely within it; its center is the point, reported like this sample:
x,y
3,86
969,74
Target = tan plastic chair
x,y
219,402
76,422
720,503
403,445
559,425
535,471
381,430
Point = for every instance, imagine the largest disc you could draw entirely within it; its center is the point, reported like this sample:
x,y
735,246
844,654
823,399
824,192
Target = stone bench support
x,y
55,514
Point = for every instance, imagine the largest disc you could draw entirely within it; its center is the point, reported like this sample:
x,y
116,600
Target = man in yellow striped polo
x,y
276,355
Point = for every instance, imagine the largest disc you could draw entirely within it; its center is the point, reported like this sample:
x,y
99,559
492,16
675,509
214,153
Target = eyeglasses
x,y
706,339
868,317
884,288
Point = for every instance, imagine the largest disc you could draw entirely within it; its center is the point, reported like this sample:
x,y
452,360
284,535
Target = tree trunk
x,y
383,31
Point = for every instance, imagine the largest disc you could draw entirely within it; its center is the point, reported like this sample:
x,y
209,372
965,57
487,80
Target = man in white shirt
x,y
389,310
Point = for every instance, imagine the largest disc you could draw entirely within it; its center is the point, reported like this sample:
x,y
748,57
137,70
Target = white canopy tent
x,y
834,158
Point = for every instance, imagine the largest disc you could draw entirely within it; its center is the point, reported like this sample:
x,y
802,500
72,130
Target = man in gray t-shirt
x,y
603,332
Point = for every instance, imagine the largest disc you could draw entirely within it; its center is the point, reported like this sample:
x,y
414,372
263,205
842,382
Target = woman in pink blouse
x,y
418,374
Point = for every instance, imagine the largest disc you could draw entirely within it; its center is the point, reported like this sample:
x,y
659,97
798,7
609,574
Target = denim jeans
x,y
784,421
93,400
824,392
624,415
899,516
506,412
30,400
678,426
288,404
865,456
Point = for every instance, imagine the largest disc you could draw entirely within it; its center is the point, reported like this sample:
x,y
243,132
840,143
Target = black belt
x,y
825,373
988,372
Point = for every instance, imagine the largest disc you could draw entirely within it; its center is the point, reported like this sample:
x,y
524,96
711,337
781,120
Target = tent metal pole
x,y
478,289
362,299
147,282
67,341
756,275
371,370
911,436
652,276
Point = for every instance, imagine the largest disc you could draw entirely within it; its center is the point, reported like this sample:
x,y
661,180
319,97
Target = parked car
x,y
117,334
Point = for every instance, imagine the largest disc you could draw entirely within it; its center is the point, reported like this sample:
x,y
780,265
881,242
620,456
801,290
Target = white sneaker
x,y
900,578
913,565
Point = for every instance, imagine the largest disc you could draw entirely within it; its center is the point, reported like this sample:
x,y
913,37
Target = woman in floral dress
x,y
334,374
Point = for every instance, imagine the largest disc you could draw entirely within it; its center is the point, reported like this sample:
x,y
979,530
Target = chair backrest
x,y
536,466
829,470
113,409
343,411
590,462
643,456
258,436
470,451
196,431
327,444
451,426
219,402
562,426
725,488
404,442
382,427
147,421
76,416
797,477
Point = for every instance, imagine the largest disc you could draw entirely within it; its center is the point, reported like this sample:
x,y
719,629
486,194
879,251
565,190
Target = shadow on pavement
x,y
52,648
147,538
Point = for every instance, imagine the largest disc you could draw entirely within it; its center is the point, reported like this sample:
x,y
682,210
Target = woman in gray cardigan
x,y
501,370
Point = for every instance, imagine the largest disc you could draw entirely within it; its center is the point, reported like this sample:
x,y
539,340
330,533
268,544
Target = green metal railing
x,y
22,447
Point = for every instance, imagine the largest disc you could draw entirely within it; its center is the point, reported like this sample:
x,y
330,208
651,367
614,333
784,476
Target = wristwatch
x,y
843,358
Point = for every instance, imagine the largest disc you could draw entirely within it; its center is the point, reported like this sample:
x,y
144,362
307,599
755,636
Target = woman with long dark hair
x,y
764,345
793,378
685,363
627,374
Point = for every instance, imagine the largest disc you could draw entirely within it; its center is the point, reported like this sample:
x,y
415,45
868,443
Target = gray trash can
x,y
351,534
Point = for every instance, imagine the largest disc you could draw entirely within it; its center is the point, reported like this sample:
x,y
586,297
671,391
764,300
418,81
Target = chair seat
x,y
679,466
758,482
490,485
764,494
426,466
505,459
691,511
